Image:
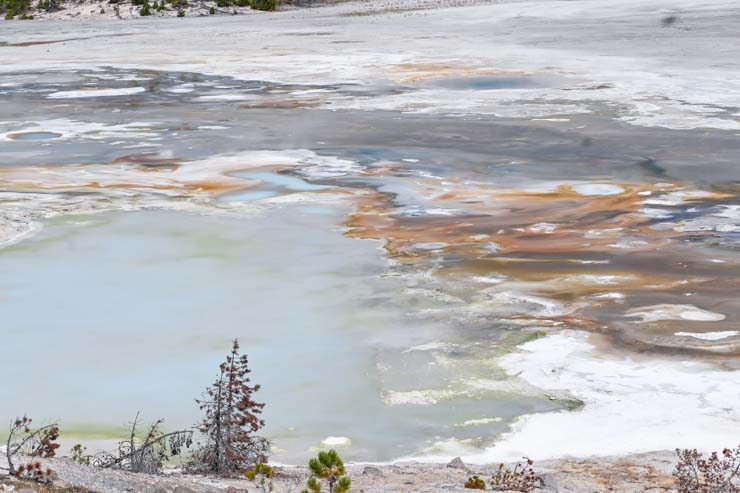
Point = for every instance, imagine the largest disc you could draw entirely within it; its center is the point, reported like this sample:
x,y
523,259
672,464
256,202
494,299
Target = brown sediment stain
x,y
415,72
560,245
54,41
569,321
280,104
557,220
514,220
146,158
35,43
646,341
146,173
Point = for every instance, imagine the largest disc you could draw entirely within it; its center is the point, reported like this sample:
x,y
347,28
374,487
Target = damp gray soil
x,y
190,116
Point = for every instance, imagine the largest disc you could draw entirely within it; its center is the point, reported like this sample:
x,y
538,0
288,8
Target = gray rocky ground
x,y
650,472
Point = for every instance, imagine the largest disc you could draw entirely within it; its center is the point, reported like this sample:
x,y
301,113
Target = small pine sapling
x,y
79,455
327,466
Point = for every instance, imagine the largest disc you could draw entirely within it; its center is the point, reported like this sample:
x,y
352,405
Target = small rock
x,y
457,463
550,480
183,489
372,472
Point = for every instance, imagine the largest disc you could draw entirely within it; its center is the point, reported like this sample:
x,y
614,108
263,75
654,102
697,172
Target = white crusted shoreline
x,y
632,403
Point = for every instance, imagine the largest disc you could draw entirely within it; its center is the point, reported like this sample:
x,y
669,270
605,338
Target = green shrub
x,y
261,475
212,11
14,8
145,10
475,483
264,4
48,5
180,13
80,456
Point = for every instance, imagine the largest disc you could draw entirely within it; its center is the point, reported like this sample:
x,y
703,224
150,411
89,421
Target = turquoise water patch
x,y
248,196
489,82
283,180
271,185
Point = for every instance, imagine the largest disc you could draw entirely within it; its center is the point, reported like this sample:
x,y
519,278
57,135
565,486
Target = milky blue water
x,y
105,316
271,185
